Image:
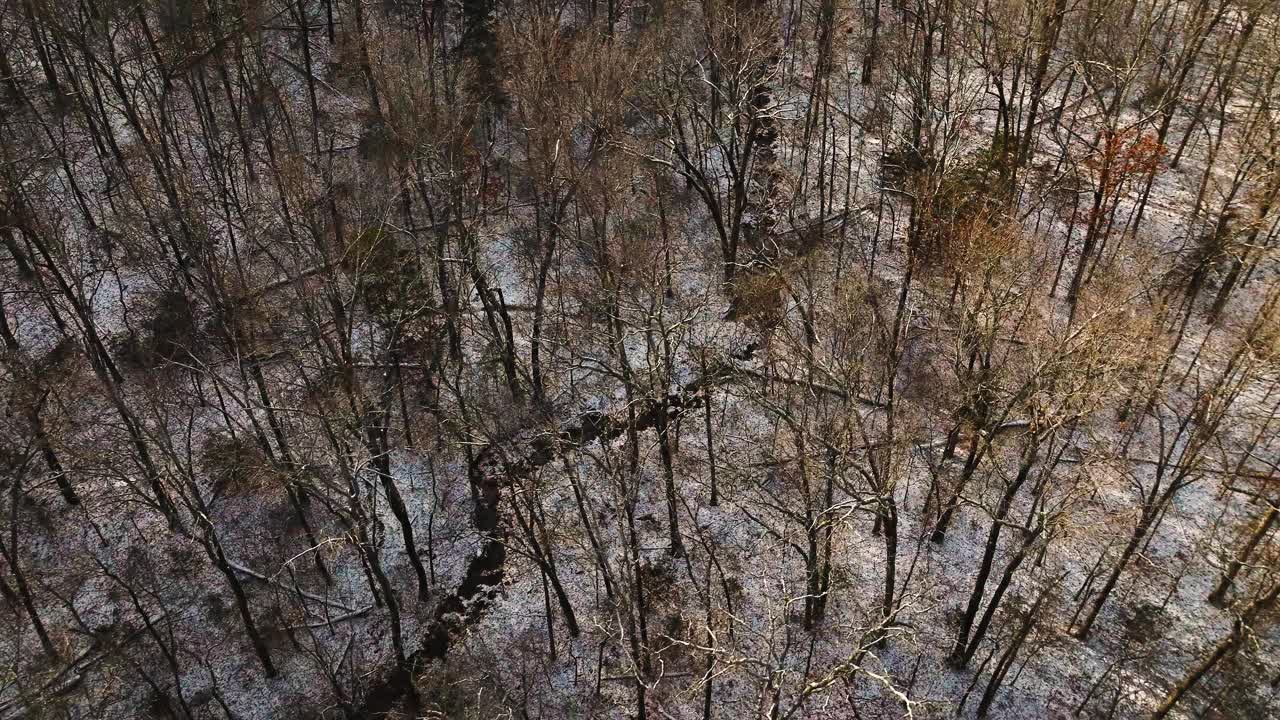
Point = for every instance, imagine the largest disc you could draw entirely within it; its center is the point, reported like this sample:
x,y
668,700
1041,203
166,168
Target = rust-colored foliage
x,y
1124,155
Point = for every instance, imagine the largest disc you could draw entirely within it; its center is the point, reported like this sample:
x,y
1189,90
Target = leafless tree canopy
x,y
639,359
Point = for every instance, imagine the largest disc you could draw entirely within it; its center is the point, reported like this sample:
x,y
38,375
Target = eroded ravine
x,y
515,460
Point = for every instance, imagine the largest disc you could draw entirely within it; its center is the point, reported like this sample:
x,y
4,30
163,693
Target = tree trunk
x,y
1227,645
961,652
1260,530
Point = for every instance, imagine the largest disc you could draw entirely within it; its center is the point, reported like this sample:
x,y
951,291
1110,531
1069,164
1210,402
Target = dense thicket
x,y
644,359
